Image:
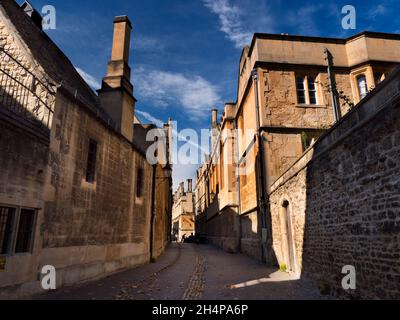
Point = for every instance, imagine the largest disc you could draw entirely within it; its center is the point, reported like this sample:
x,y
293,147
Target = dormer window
x,y
306,90
362,86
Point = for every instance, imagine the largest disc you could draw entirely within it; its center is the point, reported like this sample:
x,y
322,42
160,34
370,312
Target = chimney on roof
x,y
31,12
214,118
116,93
189,185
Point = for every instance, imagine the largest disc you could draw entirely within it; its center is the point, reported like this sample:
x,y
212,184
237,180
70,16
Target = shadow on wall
x,y
13,111
234,233
352,212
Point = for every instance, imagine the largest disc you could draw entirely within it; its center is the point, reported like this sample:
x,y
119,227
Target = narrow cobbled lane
x,y
193,272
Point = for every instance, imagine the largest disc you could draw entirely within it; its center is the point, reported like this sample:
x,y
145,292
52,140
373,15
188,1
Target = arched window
x,y
362,86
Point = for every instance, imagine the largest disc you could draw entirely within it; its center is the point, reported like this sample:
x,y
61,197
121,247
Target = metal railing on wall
x,y
22,93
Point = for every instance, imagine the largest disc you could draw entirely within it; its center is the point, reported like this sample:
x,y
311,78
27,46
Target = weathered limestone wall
x,y
223,230
346,193
250,241
23,163
80,213
162,210
85,231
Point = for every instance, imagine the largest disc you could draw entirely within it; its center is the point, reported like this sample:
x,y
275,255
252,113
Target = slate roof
x,y
48,55
61,70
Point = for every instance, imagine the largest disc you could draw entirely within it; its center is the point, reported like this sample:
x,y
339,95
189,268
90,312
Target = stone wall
x,y
343,197
85,231
223,230
106,211
250,239
162,211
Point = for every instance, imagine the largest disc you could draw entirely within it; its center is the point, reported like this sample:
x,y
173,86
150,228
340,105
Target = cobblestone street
x,y
192,272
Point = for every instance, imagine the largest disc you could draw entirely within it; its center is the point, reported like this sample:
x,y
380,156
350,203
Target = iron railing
x,y
22,93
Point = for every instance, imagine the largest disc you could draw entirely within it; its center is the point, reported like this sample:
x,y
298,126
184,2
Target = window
x,y
362,86
6,224
91,162
312,91
301,90
306,90
25,231
139,183
16,230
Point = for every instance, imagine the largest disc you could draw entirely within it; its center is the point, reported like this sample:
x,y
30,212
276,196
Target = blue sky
x,y
185,53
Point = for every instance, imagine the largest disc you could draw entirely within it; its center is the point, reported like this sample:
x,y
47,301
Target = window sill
x,y
313,106
89,185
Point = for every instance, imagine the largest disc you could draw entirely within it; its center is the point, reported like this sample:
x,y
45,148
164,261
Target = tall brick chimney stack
x,y
116,93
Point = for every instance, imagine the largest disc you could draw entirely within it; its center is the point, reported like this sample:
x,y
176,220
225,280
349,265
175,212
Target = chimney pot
x,y
190,185
214,118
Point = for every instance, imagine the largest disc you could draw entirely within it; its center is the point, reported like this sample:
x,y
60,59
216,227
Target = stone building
x,y
183,216
76,189
284,106
339,204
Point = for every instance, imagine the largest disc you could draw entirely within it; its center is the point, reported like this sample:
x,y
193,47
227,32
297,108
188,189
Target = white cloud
x,y
183,172
230,21
159,123
192,93
379,10
90,80
303,19
147,44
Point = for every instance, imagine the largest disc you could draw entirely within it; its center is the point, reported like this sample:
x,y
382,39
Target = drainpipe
x,y
238,185
152,217
261,162
332,86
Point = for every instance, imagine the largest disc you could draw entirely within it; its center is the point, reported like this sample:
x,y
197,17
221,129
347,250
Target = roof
x,y
61,70
55,63
287,37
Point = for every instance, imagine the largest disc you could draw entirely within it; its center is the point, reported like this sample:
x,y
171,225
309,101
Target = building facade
x,y
183,216
284,105
76,189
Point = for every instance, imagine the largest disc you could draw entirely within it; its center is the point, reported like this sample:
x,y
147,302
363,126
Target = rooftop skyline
x,y
185,55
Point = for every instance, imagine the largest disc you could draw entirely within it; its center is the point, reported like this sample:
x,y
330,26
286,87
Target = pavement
x,y
194,272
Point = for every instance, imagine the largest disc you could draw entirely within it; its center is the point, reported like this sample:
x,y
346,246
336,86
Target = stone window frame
x,y
15,231
360,90
305,76
367,72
